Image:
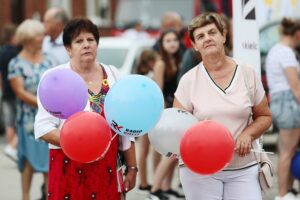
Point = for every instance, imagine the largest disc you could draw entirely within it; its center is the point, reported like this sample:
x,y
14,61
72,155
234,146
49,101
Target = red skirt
x,y
82,181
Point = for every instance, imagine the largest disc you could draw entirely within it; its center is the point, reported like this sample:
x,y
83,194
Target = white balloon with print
x,y
165,137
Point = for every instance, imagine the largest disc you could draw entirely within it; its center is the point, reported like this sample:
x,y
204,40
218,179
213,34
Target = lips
x,y
87,53
209,45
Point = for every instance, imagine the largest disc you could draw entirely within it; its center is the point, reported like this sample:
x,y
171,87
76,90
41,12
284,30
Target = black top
x,y
7,52
169,90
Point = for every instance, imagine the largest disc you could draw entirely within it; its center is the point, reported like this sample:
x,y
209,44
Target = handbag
x,y
265,166
265,172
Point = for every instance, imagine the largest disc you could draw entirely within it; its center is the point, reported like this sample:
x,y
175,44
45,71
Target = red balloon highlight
x,y
85,136
207,147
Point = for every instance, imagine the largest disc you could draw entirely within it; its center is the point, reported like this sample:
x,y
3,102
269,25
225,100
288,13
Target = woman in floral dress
x,y
25,71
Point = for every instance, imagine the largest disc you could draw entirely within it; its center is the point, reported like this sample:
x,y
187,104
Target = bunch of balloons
x,y
132,107
63,94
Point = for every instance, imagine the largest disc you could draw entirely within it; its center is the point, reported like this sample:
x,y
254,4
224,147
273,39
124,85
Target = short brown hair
x,y
7,33
203,20
289,26
77,25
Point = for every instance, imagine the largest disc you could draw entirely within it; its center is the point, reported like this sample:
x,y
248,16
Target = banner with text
x,y
245,33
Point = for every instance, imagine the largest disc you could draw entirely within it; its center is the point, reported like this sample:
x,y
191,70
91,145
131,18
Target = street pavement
x,y
10,187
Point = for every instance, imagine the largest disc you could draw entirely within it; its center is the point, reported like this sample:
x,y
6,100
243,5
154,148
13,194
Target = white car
x,y
122,52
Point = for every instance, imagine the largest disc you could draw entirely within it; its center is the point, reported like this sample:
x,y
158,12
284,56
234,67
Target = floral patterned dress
x,y
69,179
35,152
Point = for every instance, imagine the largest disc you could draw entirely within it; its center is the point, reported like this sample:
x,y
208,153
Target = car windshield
x,y
269,37
115,57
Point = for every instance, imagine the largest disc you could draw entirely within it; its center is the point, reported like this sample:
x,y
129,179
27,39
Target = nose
x,y
207,39
86,44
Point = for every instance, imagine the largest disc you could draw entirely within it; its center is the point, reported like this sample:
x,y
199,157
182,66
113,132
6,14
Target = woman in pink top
x,y
219,89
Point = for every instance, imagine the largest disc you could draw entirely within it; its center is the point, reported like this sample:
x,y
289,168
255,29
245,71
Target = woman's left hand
x,y
243,144
130,179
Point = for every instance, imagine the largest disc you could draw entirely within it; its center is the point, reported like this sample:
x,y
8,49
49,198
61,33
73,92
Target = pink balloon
x,y
206,147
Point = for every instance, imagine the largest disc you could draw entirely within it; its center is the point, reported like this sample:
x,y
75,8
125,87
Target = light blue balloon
x,y
133,105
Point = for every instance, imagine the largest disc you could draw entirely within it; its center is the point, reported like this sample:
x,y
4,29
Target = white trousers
x,y
225,185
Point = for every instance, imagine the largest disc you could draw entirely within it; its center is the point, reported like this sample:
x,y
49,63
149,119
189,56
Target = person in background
x,y
165,74
54,21
7,52
190,59
136,32
171,20
231,94
98,179
145,67
25,71
282,68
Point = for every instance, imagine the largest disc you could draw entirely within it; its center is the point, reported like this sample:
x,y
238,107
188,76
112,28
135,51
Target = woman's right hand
x,y
243,144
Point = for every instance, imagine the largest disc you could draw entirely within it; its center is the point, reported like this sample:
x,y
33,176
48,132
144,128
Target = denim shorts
x,y
285,110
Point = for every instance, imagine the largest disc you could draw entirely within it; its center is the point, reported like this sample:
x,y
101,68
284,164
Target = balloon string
x,y
113,137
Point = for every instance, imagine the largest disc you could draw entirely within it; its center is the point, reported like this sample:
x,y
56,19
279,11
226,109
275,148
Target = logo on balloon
x,y
56,114
133,132
116,126
182,111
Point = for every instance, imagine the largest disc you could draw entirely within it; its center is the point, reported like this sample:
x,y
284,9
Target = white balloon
x,y
165,137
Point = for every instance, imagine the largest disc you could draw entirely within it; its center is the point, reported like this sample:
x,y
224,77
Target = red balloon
x,y
85,136
206,147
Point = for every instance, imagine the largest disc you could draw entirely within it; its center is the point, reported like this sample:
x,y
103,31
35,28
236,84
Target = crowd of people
x,y
202,79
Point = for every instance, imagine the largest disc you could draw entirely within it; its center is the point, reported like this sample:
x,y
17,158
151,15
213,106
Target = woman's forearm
x,y
52,137
129,155
28,98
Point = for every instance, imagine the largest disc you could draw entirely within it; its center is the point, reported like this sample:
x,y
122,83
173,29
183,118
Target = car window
x,y
268,37
115,57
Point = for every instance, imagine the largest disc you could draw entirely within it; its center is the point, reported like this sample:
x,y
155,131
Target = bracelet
x,y
131,168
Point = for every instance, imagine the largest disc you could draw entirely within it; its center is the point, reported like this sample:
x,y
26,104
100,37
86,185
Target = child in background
x,y
145,66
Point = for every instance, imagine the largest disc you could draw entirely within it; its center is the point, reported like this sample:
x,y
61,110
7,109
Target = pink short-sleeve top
x,y
231,107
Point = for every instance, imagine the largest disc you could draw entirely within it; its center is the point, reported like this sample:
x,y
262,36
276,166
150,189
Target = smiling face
x,y
208,40
83,48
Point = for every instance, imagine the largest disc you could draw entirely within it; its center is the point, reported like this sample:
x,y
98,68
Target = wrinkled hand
x,y
243,144
130,180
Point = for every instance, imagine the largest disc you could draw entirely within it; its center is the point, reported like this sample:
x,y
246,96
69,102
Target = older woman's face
x,y
170,43
208,40
83,47
36,42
